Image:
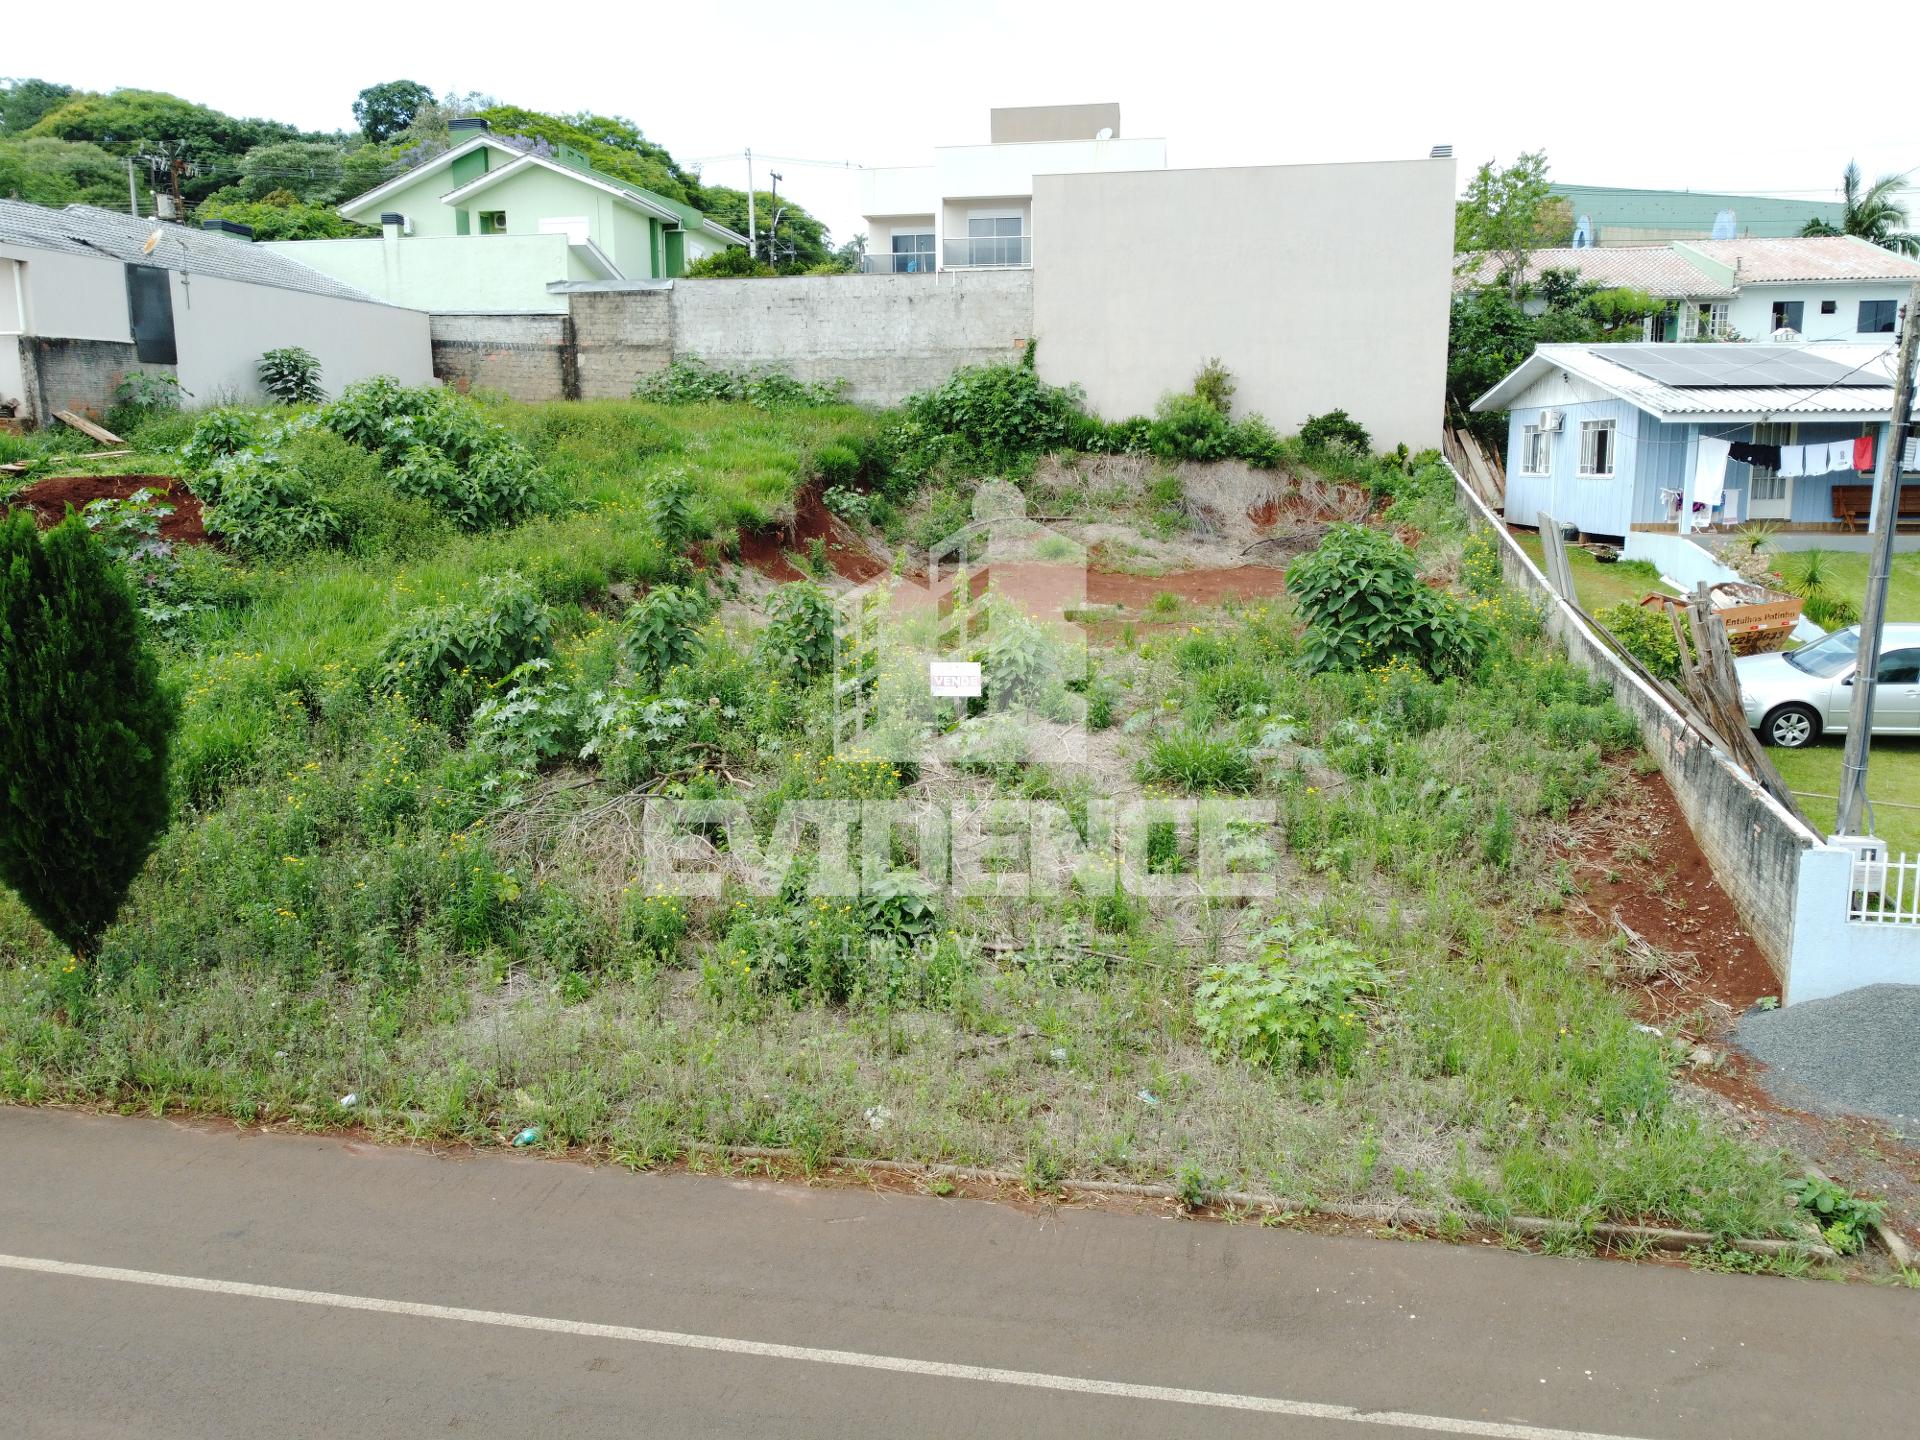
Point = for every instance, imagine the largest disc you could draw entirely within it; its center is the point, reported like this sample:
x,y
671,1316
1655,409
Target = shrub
x,y
1336,431
1213,385
139,397
995,416
262,507
443,660
799,638
1299,1006
836,464
663,630
693,381
1132,436
1256,442
1188,428
1647,634
291,375
732,263
1365,605
1844,1218
217,434
84,730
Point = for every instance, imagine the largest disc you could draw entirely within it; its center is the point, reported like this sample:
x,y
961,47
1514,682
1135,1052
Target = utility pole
x,y
133,195
773,225
1886,512
753,243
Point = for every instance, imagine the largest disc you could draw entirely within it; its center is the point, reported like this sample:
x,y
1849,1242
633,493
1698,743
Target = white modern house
x,y
972,208
88,296
1822,288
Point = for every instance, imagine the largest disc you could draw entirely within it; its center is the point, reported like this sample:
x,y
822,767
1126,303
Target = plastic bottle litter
x,y
349,1100
1147,1097
528,1136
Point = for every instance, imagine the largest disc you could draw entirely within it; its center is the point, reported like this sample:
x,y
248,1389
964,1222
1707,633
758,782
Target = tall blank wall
x,y
1319,286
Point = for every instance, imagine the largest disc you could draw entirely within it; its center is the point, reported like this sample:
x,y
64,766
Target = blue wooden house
x,y
1607,437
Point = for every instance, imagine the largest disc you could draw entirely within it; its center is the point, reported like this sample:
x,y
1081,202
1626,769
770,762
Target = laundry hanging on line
x,y
1793,461
1710,470
1839,456
1863,453
1748,453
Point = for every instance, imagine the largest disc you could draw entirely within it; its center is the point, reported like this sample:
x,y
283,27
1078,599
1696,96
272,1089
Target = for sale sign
x,y
953,679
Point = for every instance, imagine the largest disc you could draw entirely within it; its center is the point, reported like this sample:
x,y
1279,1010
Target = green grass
x,y
1597,585
1893,785
354,899
1849,579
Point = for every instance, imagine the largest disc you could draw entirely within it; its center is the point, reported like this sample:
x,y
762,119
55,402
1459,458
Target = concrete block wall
x,y
887,336
620,335
77,375
529,357
1756,848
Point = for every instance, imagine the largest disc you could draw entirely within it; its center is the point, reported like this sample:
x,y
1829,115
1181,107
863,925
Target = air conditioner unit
x,y
1551,420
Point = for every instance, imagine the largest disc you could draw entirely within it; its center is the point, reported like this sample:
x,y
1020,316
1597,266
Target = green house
x,y
494,223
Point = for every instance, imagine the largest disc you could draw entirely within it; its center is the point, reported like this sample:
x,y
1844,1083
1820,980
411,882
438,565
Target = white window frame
x,y
1775,507
1590,431
1716,312
1530,436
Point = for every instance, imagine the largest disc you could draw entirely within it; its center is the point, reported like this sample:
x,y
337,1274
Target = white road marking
x,y
855,1359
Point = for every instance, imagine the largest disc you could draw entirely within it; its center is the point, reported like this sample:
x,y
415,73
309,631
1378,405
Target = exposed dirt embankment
x,y
49,499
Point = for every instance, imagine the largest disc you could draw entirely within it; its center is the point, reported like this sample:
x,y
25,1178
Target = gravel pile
x,y
1858,1053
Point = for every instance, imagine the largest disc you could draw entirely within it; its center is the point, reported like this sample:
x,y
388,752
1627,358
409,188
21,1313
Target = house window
x,y
1704,320
996,240
1596,448
1663,327
1877,317
493,222
1788,314
1768,486
1536,451
912,254
1829,307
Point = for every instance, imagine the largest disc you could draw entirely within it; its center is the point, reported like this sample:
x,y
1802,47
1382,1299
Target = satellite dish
x,y
153,240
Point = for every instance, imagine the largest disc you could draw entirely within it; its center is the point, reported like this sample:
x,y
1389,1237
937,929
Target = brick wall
x,y
78,375
529,357
621,335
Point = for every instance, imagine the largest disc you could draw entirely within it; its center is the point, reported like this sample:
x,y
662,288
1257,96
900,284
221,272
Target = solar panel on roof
x,y
1713,367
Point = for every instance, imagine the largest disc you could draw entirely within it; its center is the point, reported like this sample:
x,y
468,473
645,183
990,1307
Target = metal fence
x,y
899,263
989,250
1886,891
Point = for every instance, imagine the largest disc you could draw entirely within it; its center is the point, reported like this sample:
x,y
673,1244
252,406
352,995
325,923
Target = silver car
x,y
1793,697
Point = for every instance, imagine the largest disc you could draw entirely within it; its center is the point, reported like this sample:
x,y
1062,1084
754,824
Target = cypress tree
x,y
84,727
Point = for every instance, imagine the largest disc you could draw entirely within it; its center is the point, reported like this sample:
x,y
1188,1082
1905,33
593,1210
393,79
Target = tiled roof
x,y
88,230
1656,269
1810,257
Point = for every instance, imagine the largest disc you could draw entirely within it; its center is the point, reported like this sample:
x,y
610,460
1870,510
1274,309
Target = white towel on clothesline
x,y
1793,461
1710,470
1839,455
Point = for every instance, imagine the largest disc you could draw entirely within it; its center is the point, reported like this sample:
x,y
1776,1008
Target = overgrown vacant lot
x,y
403,887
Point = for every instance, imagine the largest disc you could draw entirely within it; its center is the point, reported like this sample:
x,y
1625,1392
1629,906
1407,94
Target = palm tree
x,y
1878,215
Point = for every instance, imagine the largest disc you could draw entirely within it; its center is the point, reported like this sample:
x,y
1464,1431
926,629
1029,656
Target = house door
x,y
1770,496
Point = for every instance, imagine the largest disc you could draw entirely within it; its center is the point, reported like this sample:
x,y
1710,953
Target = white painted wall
x,y
963,170
1751,310
898,190
76,297
1319,286
447,274
223,326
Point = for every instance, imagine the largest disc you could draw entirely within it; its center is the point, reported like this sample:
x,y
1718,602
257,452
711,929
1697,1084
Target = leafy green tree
x,y
61,172
611,144
796,245
383,111
84,730
310,170
281,215
1510,213
1877,213
23,102
149,122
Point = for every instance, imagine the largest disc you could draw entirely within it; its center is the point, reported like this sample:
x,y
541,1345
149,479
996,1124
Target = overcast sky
x,y
1753,98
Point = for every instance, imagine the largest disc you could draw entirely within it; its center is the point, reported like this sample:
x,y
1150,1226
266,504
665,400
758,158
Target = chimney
x,y
228,227
1440,152
469,127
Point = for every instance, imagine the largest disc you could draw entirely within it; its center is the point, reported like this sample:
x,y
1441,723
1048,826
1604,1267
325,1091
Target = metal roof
x,y
1808,257
1656,269
1590,363
88,230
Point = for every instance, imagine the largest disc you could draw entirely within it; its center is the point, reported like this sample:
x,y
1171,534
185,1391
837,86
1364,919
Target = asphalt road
x,y
161,1280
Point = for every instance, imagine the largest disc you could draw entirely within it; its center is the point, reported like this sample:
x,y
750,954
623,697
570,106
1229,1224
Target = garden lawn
x,y
1893,785
1849,571
1597,585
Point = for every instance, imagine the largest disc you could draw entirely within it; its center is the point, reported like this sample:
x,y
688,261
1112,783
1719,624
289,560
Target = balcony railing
x,y
988,250
919,263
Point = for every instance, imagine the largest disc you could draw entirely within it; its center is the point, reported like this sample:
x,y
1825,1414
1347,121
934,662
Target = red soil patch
x,y
1201,587
48,500
767,550
1646,868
